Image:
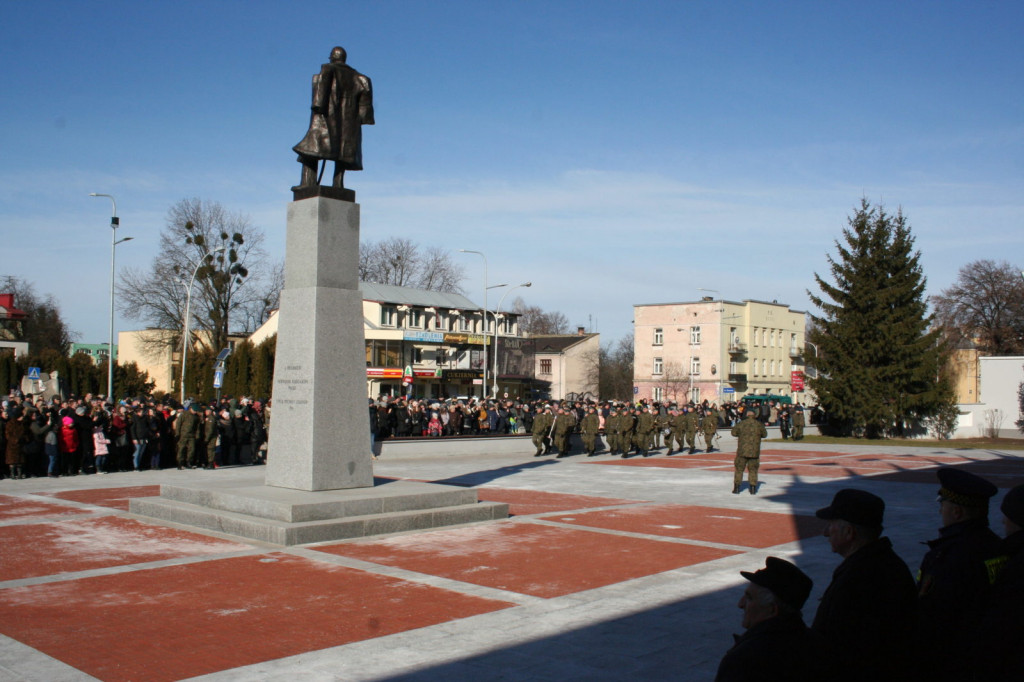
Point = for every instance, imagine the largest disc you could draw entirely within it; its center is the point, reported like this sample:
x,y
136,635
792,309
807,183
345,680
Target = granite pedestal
x,y
319,482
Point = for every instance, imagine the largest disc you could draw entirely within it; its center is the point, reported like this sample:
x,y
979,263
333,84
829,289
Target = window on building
x,y
771,368
695,336
772,337
442,356
545,366
734,338
659,336
764,366
695,395
383,353
733,368
388,315
659,366
417,355
764,338
441,321
658,393
753,368
695,366
415,319
463,323
755,336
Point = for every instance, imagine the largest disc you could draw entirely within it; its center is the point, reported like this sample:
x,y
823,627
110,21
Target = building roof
x,y
7,309
557,343
720,300
388,293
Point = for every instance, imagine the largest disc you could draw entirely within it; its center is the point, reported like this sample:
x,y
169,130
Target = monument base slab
x,y
283,516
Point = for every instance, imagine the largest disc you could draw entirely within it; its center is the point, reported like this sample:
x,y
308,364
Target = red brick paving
x,y
528,558
86,544
13,508
706,524
525,502
181,621
115,498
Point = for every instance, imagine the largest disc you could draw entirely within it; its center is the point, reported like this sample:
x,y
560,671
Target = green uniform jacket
x,y
749,432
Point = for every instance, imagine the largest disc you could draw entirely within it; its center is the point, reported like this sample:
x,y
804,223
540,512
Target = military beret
x,y
964,488
1013,505
786,581
858,507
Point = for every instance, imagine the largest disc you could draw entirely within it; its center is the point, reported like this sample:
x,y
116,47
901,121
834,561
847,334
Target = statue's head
x,y
338,55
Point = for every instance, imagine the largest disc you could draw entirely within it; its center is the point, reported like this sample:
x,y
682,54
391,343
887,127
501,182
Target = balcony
x,y
795,352
737,378
737,347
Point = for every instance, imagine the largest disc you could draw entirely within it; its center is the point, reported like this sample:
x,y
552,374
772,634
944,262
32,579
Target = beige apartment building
x,y
717,350
566,364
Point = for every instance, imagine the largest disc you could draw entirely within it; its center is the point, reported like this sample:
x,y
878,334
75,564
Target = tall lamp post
x,y
483,391
114,241
494,387
188,315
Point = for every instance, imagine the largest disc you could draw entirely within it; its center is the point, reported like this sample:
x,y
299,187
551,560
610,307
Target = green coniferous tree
x,y
878,363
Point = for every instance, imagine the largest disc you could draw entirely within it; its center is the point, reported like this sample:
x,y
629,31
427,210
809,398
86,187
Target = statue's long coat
x,y
342,104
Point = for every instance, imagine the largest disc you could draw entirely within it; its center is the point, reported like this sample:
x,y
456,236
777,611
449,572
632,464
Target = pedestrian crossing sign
x,y
33,373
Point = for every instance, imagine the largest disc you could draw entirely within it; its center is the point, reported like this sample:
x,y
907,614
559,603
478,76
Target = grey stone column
x,y
320,427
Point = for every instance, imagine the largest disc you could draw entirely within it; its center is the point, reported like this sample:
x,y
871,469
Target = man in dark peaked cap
x,y
777,645
953,577
869,611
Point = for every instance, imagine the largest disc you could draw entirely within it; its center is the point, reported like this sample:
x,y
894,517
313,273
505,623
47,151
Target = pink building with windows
x,y
717,350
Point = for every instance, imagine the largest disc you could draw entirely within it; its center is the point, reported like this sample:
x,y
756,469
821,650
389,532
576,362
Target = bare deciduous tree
x,y
533,320
402,262
225,251
44,328
985,306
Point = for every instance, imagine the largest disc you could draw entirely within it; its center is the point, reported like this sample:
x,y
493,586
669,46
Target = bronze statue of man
x,y
342,104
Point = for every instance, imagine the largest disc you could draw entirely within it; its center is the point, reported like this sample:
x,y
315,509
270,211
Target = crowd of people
x,y
959,619
77,436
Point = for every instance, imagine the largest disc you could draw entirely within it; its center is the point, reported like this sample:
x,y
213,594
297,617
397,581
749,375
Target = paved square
x,y
17,508
706,524
527,502
528,558
176,622
115,498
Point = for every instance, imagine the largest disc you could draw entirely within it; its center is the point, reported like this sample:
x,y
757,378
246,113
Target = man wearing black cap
x,y
869,611
777,645
998,651
953,577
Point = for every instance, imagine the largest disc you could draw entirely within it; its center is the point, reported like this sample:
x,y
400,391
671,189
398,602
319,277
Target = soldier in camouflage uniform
x,y
710,427
677,426
187,428
589,427
563,426
691,424
798,423
644,426
749,431
612,428
541,428
627,427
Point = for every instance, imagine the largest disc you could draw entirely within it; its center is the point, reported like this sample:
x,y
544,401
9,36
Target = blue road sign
x,y
218,378
33,373
728,389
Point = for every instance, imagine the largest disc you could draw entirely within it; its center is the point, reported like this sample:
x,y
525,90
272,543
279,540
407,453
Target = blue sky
x,y
612,153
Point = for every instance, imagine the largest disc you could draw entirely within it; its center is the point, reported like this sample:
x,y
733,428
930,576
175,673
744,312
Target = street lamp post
x,y
483,391
188,315
114,241
494,387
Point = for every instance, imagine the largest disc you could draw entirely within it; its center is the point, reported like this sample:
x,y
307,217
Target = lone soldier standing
x,y
749,431
589,427
342,104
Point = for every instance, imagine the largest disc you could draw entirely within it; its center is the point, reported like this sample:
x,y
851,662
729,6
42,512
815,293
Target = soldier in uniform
x,y
187,428
710,427
627,423
691,424
209,438
561,430
798,423
644,426
953,578
589,427
677,426
541,428
749,431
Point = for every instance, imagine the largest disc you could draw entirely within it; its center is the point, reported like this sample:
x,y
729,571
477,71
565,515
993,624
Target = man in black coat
x,y
869,611
777,645
954,578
